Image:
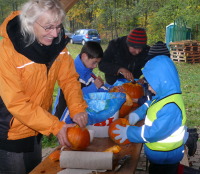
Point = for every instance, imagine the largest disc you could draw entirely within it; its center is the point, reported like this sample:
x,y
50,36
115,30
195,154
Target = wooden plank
x,y
98,145
68,4
185,42
193,61
177,52
178,58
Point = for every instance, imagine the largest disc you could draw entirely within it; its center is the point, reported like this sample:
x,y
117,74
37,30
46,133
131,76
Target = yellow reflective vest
x,y
175,140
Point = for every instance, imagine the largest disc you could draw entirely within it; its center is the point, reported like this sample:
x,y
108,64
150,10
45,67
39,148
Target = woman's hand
x,y
62,138
81,119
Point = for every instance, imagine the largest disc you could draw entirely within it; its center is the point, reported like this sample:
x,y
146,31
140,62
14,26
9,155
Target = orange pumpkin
x,y
78,137
127,106
55,156
134,90
112,127
114,149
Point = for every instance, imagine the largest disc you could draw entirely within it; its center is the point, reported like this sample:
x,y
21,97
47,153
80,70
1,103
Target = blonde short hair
x,y
32,10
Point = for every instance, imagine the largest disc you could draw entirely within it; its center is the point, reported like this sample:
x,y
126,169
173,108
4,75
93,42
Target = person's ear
x,y
84,57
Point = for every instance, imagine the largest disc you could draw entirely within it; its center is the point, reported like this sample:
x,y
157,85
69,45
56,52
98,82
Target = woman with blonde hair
x,y
33,57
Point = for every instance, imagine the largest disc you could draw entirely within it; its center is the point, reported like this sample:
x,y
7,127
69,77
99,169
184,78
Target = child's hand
x,y
98,82
122,133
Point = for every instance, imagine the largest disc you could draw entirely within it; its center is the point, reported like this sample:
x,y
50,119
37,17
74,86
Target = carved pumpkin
x,y
134,90
78,137
127,106
112,127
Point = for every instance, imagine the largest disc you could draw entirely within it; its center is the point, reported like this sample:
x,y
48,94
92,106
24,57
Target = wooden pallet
x,y
185,51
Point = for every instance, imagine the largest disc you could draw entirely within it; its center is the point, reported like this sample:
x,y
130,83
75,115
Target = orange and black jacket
x,y
27,79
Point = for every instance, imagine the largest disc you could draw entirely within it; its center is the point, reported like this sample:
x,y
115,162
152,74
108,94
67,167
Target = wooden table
x,y
98,145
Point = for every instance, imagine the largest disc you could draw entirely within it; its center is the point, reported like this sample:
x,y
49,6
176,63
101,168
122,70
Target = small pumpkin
x,y
122,122
134,90
78,137
127,105
55,156
114,149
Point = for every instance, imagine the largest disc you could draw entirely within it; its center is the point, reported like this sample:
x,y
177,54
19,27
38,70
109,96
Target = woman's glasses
x,y
51,27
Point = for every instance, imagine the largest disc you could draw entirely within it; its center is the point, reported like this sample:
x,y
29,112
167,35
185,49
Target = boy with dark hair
x,y
88,59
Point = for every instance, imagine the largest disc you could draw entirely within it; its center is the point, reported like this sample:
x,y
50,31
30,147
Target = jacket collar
x,y
81,68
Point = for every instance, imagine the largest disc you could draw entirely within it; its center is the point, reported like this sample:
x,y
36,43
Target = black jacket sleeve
x,y
113,59
109,64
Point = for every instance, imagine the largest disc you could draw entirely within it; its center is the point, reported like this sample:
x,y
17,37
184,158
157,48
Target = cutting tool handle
x,y
92,75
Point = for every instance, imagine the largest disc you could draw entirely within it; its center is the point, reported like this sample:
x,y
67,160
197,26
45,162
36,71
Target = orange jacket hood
x,y
3,26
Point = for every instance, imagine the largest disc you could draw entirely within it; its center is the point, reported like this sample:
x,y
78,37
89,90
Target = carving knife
x,y
121,162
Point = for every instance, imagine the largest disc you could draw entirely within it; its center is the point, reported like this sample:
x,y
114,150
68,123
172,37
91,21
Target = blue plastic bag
x,y
101,106
119,82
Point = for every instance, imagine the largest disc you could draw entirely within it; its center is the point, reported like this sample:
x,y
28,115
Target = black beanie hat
x,y
137,38
159,48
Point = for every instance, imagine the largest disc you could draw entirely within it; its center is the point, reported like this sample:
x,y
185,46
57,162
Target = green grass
x,y
190,84
49,141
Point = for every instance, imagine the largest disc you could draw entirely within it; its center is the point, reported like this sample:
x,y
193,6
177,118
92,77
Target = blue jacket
x,y
161,73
